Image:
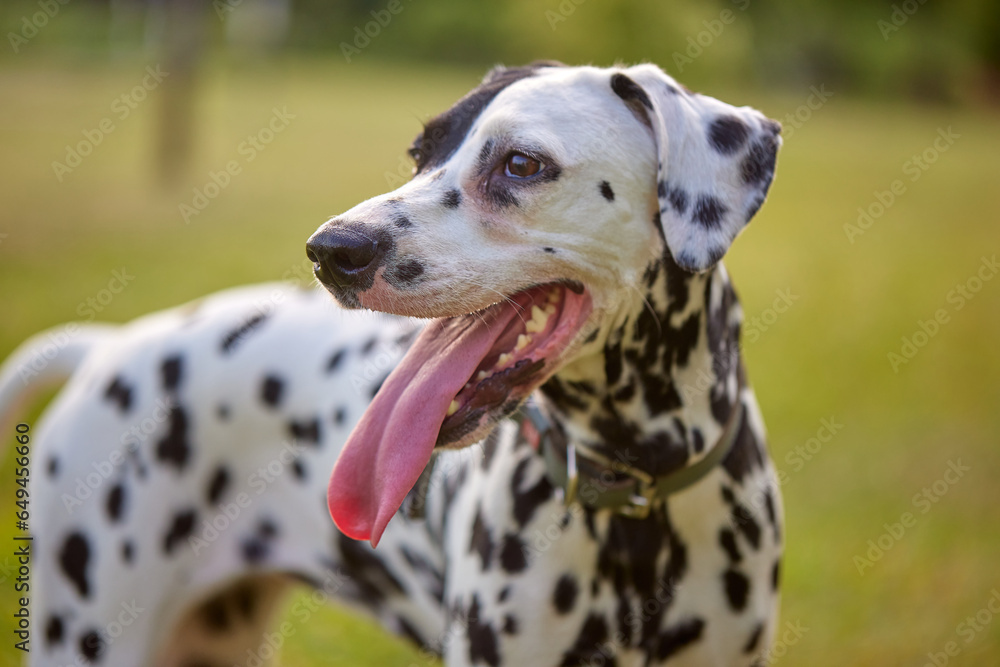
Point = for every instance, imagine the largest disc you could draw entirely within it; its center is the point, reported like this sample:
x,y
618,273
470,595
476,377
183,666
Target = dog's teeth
x,y
502,361
538,320
453,408
482,375
550,309
553,295
522,342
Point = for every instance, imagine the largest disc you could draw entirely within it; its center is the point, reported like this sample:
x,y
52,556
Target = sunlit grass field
x,y
826,357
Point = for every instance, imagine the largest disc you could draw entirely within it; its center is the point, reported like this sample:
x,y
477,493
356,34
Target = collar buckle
x,y
640,503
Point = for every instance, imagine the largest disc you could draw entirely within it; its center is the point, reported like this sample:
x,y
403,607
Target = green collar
x,y
596,481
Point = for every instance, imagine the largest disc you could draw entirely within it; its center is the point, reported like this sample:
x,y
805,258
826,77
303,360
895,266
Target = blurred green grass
x,y
825,357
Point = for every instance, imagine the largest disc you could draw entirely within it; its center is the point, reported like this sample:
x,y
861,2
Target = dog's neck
x,y
659,393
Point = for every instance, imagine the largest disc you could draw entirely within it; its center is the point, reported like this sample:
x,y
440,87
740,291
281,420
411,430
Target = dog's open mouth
x,y
460,376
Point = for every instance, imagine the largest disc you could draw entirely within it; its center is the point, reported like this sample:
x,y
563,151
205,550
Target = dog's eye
x,y
521,166
416,154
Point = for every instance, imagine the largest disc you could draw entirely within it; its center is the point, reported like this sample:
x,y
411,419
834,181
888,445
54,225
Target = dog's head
x,y
538,203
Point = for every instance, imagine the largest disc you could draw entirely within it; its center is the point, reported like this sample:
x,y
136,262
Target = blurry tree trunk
x,y
181,33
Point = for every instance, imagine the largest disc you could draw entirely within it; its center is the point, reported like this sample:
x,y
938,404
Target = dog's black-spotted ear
x,y
715,163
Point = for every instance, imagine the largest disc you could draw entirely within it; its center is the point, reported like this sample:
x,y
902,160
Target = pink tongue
x,y
393,442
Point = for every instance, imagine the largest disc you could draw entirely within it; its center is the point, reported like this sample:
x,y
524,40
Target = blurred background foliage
x,y
949,51
357,101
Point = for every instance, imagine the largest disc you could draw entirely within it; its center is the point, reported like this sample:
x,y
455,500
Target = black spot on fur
x,y
624,561
504,594
305,431
237,335
743,520
509,625
299,469
480,541
526,501
339,415
482,637
727,540
222,412
623,617
727,495
512,554
408,271
708,212
91,645
335,360
452,199
408,631
776,575
170,371
678,636
116,502
745,455
627,89
73,559
173,448
402,221
606,191
772,515
181,527
217,485
53,467
757,167
443,134
267,529
549,250
369,345
128,552
727,134
271,391
586,650
754,639
698,440
54,631
557,391
565,593
613,362
678,199
625,393
752,209
255,550
258,548
119,393
737,589
369,574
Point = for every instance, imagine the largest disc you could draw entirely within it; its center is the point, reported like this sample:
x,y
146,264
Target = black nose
x,y
343,256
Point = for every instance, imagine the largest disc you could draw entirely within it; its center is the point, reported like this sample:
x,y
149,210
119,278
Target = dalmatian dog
x,y
560,461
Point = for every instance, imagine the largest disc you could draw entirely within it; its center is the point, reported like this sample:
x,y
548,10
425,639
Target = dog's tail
x,y
44,361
